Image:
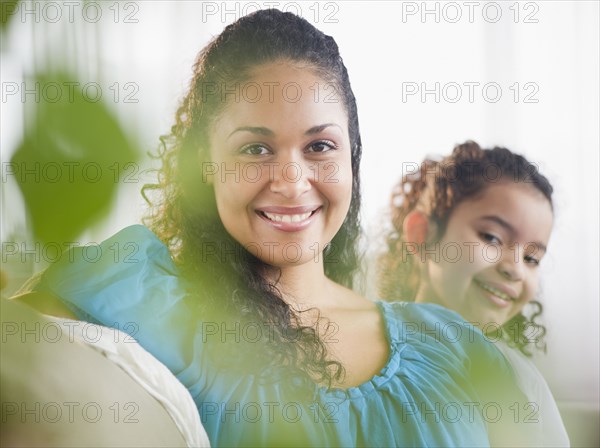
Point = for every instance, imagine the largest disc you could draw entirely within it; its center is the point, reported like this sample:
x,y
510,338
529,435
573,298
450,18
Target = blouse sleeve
x,y
496,393
128,282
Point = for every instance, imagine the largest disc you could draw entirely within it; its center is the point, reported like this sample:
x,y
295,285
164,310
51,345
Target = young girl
x,y
469,233
243,289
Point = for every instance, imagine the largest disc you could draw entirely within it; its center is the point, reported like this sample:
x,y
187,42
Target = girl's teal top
x,y
444,384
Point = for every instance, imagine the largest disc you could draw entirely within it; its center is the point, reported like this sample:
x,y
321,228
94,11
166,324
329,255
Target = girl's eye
x,y
490,238
322,146
255,150
532,260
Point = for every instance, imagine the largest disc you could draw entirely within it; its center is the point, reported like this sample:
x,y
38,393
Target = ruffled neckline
x,y
387,372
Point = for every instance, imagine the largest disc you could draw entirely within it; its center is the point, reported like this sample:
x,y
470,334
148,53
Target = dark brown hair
x,y
226,280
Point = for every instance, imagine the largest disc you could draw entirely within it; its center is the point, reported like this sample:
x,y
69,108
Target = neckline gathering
x,y
392,336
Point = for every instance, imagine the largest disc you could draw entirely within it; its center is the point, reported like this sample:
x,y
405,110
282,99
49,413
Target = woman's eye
x,y
255,150
490,238
322,146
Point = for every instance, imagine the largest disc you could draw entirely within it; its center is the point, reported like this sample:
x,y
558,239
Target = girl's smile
x,y
491,286
498,294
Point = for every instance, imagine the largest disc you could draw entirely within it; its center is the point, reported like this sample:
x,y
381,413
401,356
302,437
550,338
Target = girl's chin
x,y
487,321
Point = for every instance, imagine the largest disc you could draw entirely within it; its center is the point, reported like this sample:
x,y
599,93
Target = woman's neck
x,y
306,286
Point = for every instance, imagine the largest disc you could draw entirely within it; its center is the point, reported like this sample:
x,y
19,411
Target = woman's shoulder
x,y
121,248
132,249
433,329
425,315
431,339
131,272
130,282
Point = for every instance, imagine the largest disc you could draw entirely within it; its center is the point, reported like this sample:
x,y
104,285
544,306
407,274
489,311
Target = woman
x,y
258,206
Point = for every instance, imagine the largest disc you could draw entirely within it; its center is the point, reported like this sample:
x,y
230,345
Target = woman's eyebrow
x,y
253,129
320,128
260,130
501,222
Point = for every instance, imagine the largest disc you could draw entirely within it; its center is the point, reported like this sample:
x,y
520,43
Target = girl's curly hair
x,y
436,189
226,282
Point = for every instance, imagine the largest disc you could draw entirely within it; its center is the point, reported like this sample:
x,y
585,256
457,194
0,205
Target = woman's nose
x,y
291,179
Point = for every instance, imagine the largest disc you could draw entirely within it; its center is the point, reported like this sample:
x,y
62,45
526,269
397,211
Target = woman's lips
x,y
288,219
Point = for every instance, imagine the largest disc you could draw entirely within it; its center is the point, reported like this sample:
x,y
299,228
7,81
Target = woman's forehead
x,y
279,97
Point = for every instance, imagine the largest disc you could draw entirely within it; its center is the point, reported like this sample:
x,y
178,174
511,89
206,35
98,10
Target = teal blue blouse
x,y
443,384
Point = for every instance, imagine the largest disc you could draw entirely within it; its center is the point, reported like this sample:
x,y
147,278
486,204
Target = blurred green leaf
x,y
69,164
8,10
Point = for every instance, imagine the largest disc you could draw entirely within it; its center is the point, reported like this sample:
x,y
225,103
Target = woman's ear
x,y
416,228
209,169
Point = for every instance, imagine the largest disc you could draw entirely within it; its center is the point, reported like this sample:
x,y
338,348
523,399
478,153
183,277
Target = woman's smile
x,y
288,219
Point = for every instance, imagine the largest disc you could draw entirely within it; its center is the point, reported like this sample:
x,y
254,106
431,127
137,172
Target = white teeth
x,y
495,291
287,218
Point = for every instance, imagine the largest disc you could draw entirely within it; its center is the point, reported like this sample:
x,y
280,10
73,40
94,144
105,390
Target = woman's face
x,y
501,237
281,164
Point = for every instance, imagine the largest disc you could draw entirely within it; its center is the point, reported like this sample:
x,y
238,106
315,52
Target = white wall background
x,y
553,45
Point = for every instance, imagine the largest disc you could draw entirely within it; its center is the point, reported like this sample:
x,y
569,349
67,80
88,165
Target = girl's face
x,y
281,160
487,261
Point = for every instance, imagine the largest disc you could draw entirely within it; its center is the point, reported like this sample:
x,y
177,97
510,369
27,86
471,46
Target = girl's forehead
x,y
518,204
506,192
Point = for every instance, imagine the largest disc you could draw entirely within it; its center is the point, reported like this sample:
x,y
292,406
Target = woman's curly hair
x,y
226,282
435,190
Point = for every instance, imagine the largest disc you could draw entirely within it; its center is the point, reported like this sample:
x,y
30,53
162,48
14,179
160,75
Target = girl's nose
x,y
510,266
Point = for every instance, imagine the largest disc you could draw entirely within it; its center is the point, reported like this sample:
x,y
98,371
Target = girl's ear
x,y
416,228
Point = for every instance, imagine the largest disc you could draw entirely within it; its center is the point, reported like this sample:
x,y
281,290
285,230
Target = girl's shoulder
x,y
541,406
